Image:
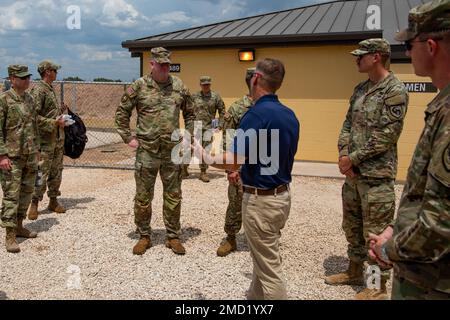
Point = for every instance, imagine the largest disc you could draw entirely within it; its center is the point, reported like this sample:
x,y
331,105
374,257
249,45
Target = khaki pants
x,y
263,217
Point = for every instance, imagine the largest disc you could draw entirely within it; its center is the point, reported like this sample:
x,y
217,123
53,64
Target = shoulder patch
x,y
446,158
395,100
125,98
396,112
227,116
130,91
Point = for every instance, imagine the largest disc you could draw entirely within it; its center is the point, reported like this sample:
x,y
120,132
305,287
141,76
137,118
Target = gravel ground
x,y
96,235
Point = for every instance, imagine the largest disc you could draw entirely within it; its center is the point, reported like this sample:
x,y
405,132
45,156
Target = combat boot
x,y
227,246
33,210
176,246
55,206
204,176
10,242
184,171
373,294
23,232
353,276
142,245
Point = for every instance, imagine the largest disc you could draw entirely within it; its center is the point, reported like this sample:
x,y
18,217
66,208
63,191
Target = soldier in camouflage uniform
x,y
19,147
206,104
419,243
158,99
51,137
368,157
233,217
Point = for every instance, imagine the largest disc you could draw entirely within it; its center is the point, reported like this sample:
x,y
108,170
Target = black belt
x,y
265,192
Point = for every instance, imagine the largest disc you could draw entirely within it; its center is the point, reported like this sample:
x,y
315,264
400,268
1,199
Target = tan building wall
x,y
319,81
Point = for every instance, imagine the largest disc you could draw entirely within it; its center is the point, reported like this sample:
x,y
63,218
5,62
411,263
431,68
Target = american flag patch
x,y
130,91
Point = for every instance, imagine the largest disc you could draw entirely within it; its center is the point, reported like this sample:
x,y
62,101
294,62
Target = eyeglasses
x,y
24,78
409,43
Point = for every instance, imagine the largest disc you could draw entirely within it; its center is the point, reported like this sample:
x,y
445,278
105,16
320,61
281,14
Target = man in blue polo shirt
x,y
265,145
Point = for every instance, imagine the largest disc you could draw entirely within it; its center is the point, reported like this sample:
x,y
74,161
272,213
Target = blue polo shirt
x,y
268,137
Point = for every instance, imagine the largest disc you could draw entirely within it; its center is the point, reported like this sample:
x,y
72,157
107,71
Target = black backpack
x,y
75,137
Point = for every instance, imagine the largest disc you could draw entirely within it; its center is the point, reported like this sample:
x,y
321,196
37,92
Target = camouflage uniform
x,y
205,108
420,246
369,137
51,136
158,109
20,142
232,118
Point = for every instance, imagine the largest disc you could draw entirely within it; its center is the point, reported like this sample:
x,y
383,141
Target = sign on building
x,y
420,87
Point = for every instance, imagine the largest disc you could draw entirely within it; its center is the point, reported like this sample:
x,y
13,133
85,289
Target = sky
x,y
35,30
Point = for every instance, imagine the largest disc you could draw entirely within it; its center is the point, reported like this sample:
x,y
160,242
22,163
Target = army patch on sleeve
x,y
395,112
446,158
125,98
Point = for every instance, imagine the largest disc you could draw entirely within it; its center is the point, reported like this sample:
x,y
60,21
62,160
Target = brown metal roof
x,y
343,20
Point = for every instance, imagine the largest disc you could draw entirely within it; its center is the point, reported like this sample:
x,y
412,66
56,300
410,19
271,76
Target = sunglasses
x,y
409,43
24,78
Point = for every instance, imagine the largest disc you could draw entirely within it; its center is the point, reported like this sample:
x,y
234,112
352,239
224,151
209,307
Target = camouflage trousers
x,y
147,167
233,217
368,207
17,186
405,290
51,166
203,166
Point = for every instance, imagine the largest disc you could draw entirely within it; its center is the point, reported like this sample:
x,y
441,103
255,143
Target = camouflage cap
x,y
161,55
379,45
205,80
433,16
18,70
47,65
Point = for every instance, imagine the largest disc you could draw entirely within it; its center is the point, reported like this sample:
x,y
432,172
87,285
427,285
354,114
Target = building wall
x,y
319,81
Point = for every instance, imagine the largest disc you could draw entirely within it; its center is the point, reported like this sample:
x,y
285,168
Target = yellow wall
x,y
319,81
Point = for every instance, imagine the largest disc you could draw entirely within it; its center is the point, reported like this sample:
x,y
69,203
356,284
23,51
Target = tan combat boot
x,y
353,276
33,210
204,176
23,232
176,246
10,242
184,171
142,245
373,294
55,206
227,246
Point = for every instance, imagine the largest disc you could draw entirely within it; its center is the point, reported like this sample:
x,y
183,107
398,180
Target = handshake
x,y
66,120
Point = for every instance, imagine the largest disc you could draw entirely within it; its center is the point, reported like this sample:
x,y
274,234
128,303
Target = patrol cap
x,y
377,45
205,80
161,55
432,16
18,70
47,65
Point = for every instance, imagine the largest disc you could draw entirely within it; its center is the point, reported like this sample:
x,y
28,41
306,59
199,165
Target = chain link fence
x,y
96,104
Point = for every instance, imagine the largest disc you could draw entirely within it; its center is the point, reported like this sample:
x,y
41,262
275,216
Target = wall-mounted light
x,y
247,55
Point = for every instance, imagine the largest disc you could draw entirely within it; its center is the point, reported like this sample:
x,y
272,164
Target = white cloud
x,y
172,18
119,13
91,53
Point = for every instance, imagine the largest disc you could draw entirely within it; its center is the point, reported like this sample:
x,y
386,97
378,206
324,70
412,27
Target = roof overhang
x,y
327,38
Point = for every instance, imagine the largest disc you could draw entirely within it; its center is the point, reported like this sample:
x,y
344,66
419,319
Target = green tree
x,y
73,79
106,80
